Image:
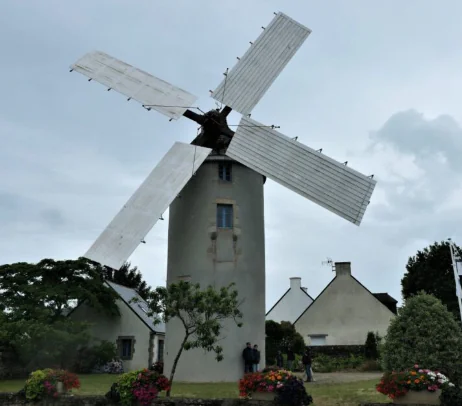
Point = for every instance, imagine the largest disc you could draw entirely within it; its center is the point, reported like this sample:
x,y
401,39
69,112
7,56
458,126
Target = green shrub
x,y
325,363
424,333
370,365
451,396
370,347
91,357
43,383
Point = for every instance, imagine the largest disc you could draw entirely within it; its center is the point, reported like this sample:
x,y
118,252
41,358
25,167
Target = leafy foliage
x,y
289,390
293,393
397,384
201,312
451,396
90,357
431,270
43,383
370,348
326,363
281,336
48,290
424,332
142,386
129,277
36,299
40,344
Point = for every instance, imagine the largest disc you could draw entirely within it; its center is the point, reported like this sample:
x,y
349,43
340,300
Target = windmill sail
x,y
247,82
309,173
133,222
135,84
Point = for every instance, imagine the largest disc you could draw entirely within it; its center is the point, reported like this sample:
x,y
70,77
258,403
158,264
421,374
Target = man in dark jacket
x,y
247,354
256,358
290,359
306,361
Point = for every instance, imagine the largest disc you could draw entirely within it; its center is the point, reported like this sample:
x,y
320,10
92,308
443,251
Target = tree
x,y
36,299
431,270
423,333
201,312
129,277
48,290
370,347
281,336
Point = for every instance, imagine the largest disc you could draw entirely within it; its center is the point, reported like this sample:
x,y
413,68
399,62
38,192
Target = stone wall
x,y
12,399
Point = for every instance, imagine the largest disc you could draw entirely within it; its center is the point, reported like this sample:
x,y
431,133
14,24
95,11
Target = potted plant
x,y
49,383
141,386
279,385
414,386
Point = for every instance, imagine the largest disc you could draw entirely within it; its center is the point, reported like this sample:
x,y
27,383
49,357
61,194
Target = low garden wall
x,y
13,399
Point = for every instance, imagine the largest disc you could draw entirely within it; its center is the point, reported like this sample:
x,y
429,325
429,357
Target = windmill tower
x,y
214,188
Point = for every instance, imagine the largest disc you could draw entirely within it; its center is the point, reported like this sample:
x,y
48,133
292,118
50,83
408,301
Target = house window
x,y
224,215
318,339
126,347
224,172
160,351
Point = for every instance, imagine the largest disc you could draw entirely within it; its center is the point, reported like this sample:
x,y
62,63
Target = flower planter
x,y
60,388
423,397
263,396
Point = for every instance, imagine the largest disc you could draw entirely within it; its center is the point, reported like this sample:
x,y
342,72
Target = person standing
x,y
290,358
306,361
247,354
279,359
256,358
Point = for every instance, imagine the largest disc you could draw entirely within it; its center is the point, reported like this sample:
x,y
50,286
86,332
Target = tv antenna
x,y
329,262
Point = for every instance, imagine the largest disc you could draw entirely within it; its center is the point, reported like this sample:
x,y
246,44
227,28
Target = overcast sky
x,y
376,83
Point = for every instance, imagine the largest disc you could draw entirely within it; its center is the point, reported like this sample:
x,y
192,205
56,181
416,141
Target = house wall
x,y
291,305
128,324
345,311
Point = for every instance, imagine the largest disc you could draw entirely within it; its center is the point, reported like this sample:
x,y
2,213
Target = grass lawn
x,y
345,394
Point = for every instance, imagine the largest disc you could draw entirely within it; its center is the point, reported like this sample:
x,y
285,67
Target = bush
x,y
43,383
370,348
424,333
142,386
158,367
451,396
94,358
370,365
325,363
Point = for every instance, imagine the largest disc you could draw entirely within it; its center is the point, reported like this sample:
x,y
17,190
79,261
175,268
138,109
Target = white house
x,y
291,304
345,311
140,343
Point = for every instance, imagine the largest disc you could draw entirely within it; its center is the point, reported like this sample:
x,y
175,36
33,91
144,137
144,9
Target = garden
x,y
422,365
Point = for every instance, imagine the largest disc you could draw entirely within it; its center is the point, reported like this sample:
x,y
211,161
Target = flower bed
x,y
142,386
44,383
287,388
397,384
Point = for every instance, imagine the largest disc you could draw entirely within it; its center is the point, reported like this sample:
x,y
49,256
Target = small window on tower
x,y
224,171
224,215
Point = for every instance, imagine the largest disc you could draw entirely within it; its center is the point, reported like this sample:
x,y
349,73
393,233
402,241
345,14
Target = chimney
x,y
343,268
295,283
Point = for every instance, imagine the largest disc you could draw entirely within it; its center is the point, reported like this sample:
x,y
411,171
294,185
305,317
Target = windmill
x,y
214,188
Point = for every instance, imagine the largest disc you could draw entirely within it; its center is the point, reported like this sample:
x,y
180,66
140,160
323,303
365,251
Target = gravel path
x,y
344,377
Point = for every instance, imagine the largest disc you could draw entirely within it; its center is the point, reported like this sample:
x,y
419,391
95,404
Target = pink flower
x,y
270,388
416,366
